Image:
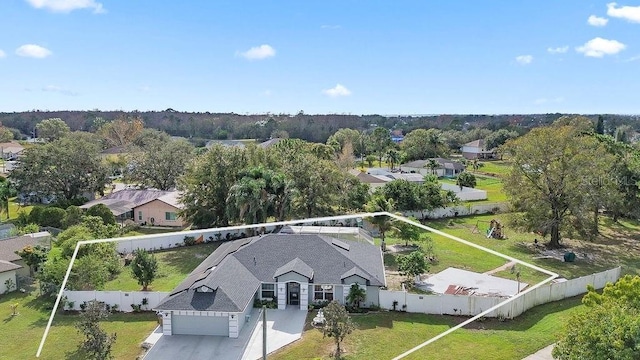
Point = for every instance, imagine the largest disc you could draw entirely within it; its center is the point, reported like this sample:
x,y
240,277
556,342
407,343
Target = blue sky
x,y
341,56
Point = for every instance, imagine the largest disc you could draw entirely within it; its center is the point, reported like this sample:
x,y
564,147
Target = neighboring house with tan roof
x,y
477,150
293,270
11,264
10,150
145,207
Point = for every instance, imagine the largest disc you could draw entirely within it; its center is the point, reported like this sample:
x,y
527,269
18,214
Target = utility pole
x,y
264,332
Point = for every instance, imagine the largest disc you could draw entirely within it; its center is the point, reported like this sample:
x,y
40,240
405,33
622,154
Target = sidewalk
x,y
544,354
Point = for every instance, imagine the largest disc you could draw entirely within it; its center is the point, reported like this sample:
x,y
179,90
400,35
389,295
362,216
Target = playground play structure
x,y
494,230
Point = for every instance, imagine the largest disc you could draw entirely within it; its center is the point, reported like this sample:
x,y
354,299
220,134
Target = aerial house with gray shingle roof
x,y
292,269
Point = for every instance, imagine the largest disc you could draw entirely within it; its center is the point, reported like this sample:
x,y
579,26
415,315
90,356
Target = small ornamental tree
x,y
33,256
103,212
144,268
412,265
97,343
466,180
337,324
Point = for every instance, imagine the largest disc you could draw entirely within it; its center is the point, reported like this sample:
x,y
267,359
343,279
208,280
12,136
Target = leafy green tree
x,y
144,268
52,129
609,326
466,179
412,265
355,194
370,159
623,133
206,185
337,325
103,212
343,136
33,256
97,344
73,216
422,144
6,134
159,164
552,171
407,232
356,295
499,137
66,168
52,216
380,141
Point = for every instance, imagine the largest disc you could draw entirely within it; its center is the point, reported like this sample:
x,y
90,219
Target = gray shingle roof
x,y
125,200
8,266
8,247
296,265
237,268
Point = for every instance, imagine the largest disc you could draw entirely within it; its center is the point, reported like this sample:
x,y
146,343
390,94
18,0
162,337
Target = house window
x,y
169,216
140,215
323,292
268,291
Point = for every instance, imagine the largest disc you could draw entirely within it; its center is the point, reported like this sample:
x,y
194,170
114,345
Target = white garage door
x,y
200,325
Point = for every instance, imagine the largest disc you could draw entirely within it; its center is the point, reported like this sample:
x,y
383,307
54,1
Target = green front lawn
x,y
21,334
173,266
388,334
494,168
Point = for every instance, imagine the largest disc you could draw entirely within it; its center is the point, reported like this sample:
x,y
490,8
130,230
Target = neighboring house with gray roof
x,y
145,207
292,269
11,264
477,149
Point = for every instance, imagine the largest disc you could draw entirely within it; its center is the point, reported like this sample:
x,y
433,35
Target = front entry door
x,y
293,289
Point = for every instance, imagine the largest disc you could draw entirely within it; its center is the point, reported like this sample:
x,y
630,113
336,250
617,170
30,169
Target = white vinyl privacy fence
x,y
123,299
469,305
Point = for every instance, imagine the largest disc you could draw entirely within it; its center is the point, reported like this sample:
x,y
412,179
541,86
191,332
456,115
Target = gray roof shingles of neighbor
x,y
233,273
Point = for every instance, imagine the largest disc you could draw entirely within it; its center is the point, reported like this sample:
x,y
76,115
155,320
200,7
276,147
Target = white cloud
x,y
558,50
597,21
259,52
337,91
524,59
542,101
629,13
599,47
65,6
33,51
2,54
57,89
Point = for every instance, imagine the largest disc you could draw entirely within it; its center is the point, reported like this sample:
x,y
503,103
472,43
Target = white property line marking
x,y
294,222
185,233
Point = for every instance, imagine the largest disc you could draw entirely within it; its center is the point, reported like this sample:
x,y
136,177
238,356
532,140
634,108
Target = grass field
x,y
494,168
387,334
173,266
493,186
21,334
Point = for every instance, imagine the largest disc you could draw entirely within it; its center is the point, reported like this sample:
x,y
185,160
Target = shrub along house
x,y
291,270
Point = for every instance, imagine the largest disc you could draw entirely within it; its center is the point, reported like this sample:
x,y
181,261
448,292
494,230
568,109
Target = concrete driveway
x,y
283,327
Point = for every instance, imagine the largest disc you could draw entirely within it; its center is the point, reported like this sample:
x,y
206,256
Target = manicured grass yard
x,y
493,186
494,168
388,334
21,334
173,266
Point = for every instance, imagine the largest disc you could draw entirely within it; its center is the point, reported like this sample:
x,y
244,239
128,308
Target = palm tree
x,y
356,295
393,157
6,192
379,203
433,165
435,141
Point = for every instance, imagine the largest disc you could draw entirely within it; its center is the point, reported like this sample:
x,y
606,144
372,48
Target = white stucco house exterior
x,y
293,270
477,150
